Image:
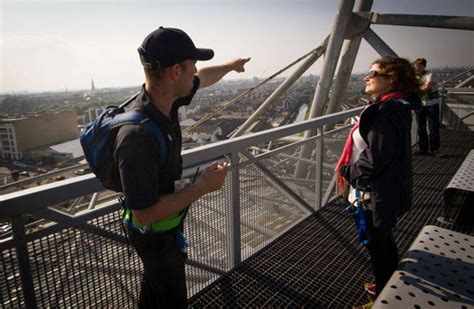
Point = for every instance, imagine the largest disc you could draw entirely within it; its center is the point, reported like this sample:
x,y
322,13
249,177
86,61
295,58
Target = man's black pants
x,y
163,283
383,253
428,114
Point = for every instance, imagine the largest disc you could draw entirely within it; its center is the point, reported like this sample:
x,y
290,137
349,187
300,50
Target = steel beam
x,y
329,190
455,77
59,217
378,44
349,55
93,201
343,17
271,100
279,184
426,21
465,82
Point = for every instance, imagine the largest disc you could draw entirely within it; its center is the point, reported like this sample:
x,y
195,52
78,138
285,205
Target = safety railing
x,y
56,257
457,108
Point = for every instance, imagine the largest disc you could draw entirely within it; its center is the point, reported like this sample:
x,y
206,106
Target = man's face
x,y
419,68
188,70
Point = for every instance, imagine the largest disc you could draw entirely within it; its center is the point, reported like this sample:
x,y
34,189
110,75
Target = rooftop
x,y
73,147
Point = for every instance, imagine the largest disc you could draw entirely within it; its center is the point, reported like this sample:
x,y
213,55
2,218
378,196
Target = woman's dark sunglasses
x,y
373,73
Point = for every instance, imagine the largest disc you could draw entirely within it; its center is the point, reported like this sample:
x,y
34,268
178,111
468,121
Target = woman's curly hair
x,y
401,75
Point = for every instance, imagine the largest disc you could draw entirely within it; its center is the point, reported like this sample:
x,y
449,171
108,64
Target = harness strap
x,y
357,211
159,226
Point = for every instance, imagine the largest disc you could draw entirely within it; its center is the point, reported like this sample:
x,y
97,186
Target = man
x,y
429,111
153,203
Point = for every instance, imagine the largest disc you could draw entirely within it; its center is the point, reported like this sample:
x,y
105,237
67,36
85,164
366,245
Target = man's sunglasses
x,y
373,73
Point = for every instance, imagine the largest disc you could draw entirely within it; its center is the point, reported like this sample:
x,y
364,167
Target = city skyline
x,y
57,45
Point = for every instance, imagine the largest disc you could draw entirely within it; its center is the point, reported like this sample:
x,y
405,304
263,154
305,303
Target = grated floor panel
x,y
319,262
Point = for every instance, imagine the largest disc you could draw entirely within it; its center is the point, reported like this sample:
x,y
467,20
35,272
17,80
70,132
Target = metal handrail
x,y
304,197
19,202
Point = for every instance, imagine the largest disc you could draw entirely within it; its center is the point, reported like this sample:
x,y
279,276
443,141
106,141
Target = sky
x,y
62,44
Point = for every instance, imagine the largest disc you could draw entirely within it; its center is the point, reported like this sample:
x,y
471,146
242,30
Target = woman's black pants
x,y
383,253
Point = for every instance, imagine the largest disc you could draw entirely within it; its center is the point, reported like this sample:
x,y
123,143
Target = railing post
x,y
18,230
442,105
235,241
319,168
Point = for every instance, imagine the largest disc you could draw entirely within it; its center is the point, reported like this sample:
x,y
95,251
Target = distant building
x,y
70,150
93,113
92,85
19,136
203,134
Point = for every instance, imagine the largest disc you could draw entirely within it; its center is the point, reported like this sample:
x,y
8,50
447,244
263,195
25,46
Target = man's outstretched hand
x,y
238,64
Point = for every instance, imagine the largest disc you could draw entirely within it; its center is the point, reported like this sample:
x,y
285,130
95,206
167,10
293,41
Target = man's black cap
x,y
167,46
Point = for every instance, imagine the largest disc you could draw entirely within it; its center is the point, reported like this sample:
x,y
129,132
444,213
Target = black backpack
x,y
98,139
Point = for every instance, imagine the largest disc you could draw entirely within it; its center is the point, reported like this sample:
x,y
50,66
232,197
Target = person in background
x,y
155,198
429,111
377,154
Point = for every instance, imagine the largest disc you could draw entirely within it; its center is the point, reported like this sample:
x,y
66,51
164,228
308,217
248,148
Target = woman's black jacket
x,y
385,127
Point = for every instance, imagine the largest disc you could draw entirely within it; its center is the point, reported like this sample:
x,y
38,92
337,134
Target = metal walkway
x,y
319,262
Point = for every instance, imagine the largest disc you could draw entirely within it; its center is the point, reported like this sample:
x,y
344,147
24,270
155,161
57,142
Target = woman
x,y
378,151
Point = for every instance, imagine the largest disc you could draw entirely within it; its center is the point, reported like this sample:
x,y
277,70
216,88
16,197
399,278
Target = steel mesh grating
x,y
207,229
265,210
72,268
11,295
319,263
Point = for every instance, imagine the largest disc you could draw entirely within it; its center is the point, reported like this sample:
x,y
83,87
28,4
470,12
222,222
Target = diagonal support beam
x,y
280,184
272,99
378,44
59,217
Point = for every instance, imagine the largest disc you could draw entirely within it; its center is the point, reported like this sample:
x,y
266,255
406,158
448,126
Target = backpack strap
x,y
153,128
131,99
140,118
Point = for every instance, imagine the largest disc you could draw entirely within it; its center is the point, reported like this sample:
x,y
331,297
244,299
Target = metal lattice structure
x,y
57,256
319,262
82,258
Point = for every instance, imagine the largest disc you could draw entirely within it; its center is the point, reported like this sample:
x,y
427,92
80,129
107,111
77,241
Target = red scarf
x,y
392,95
345,158
346,155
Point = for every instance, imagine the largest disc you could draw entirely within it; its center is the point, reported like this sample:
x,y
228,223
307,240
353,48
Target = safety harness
x,y
173,222
358,210
162,226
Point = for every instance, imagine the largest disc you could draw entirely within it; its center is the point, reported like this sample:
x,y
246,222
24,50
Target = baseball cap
x,y
167,46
